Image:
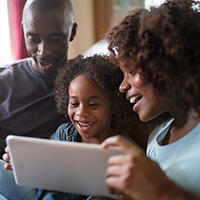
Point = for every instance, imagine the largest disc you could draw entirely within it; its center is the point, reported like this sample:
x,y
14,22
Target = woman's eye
x,y
132,72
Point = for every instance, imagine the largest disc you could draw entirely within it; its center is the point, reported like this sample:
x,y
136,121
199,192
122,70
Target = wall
x,y
93,17
85,37
5,44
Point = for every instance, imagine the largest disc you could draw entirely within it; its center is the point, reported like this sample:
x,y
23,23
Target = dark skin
x,y
130,174
6,158
149,46
47,36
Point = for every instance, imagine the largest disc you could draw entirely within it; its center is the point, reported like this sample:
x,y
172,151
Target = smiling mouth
x,y
135,99
45,65
85,125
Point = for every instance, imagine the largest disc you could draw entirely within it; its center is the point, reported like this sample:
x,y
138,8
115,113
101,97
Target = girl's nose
x,y
82,111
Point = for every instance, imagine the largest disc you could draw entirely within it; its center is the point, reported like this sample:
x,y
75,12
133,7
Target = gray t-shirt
x,y
27,104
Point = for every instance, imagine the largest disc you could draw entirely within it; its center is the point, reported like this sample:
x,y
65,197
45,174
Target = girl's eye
x,y
93,104
73,104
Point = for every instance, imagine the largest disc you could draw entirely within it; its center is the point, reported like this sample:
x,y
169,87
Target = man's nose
x,y
44,50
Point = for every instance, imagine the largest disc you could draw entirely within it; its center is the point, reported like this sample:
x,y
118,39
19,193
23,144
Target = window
x,y
102,22
124,6
5,44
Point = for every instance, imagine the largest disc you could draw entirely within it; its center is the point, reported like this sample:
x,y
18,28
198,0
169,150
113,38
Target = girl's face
x,y
145,101
89,110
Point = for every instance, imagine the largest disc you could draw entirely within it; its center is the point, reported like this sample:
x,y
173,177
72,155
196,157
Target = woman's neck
x,y
182,126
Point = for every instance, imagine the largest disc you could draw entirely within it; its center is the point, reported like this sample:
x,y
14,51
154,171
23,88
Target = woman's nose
x,y
124,86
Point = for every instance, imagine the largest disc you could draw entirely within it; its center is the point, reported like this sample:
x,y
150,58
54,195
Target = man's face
x,y
47,36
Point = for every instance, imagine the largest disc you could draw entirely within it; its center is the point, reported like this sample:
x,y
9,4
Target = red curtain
x,y
20,50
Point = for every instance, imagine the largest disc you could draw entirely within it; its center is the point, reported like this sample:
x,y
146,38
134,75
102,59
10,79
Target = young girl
x,y
86,90
159,54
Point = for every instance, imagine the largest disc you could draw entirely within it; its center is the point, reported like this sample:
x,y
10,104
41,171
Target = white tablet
x,y
63,166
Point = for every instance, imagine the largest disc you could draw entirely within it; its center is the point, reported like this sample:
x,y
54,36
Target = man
x,y
26,102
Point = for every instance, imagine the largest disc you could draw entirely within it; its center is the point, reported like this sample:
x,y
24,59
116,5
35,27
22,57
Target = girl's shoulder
x,y
66,132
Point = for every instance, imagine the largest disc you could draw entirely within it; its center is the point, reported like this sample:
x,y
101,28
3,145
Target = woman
x,y
158,52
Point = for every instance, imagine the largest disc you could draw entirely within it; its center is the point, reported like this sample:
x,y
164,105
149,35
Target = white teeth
x,y
85,123
135,98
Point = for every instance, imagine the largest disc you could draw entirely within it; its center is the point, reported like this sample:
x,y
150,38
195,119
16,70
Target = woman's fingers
x,y
127,146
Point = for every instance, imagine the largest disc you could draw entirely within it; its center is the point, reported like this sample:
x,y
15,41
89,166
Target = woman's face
x,y
145,101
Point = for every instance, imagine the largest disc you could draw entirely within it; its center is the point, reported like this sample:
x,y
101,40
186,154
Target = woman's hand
x,y
134,175
6,158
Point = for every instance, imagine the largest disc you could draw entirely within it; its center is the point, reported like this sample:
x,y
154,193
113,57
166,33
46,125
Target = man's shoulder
x,y
15,69
16,64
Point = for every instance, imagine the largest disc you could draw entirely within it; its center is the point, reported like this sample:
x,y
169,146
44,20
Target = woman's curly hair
x,y
122,39
166,51
107,77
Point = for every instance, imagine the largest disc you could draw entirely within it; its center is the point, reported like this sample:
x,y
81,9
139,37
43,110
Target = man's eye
x,y
56,40
34,40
